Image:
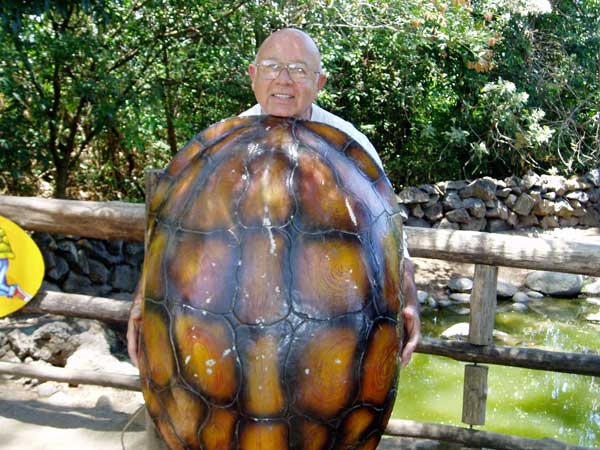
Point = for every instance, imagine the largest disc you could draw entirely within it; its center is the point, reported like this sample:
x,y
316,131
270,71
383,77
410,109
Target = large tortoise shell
x,y
272,291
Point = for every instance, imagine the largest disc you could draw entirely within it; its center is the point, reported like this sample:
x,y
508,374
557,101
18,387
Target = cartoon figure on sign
x,y
6,254
21,267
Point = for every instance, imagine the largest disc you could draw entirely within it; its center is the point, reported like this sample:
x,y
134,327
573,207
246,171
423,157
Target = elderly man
x,y
286,78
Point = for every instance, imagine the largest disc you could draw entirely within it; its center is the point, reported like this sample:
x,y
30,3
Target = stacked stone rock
x,y
486,204
90,266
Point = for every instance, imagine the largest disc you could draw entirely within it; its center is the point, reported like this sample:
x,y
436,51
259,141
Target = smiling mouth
x,y
283,96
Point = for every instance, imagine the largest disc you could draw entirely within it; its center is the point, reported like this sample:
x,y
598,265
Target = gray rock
x,y
430,189
580,196
519,307
549,222
573,184
511,201
568,222
524,205
48,286
403,211
591,287
412,195
497,211
98,273
543,208
593,300
458,330
417,211
457,185
593,177
535,295
422,296
590,218
452,201
555,284
460,284
114,247
530,180
474,225
124,278
475,207
458,215
554,183
503,193
550,196
68,250
460,298
97,250
563,208
513,219
505,290
483,188
76,283
520,297
96,290
460,310
593,317
415,222
59,271
497,225
527,222
433,200
445,224
434,212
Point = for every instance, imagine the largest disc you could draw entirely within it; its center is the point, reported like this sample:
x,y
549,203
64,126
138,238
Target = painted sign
x,y
21,267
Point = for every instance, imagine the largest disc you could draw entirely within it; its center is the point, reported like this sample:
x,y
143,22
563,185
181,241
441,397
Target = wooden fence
x,y
118,220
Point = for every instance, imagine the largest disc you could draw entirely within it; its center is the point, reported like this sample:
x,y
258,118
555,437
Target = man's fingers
x,y
133,331
412,327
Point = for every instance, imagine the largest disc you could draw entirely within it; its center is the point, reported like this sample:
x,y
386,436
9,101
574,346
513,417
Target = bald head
x,y
290,40
280,95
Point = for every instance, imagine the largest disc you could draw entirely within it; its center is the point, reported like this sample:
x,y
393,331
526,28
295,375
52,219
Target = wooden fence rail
x,y
118,220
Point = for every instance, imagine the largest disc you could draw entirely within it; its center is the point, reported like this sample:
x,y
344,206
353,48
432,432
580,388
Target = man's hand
x,y
133,325
410,313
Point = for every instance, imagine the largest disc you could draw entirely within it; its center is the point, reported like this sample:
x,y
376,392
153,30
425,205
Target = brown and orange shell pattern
x,y
272,291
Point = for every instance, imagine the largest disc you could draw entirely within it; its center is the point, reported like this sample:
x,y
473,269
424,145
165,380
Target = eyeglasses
x,y
298,72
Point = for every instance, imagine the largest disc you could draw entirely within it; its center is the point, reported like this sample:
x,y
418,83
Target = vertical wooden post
x,y
483,305
481,329
153,441
474,394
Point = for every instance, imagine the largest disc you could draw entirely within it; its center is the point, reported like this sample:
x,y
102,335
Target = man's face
x,y
283,96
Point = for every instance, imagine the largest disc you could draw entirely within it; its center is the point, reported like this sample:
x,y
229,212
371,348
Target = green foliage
x,y
94,92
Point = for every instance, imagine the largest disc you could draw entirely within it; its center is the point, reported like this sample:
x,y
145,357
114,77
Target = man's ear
x,y
321,81
252,71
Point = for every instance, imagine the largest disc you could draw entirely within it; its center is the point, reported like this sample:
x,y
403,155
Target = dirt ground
x,y
51,415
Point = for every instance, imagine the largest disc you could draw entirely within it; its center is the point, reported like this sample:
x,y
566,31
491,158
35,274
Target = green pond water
x,y
523,402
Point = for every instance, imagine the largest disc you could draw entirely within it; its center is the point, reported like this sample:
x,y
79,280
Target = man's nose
x,y
286,78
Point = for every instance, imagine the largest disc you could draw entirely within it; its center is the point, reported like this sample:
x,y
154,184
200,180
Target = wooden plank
x,y
505,250
76,305
118,220
115,380
473,438
483,305
101,220
474,394
529,358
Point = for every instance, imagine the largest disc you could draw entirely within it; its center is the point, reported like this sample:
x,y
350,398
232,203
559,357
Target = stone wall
x,y
112,268
493,205
90,266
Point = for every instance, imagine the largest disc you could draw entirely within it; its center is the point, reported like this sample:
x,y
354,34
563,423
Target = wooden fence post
x,y
481,329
